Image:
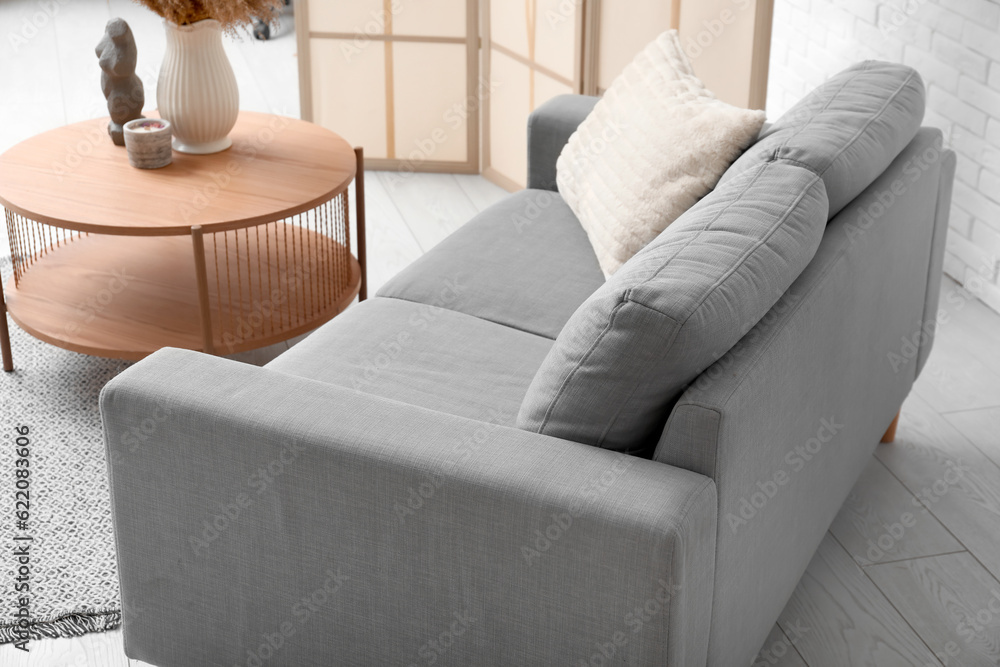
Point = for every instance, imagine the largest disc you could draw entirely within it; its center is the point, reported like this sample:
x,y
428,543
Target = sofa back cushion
x,y
679,304
656,143
847,130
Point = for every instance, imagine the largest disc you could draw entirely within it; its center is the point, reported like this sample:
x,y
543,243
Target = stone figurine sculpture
x,y
117,55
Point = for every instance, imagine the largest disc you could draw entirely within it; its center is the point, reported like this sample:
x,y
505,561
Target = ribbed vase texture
x,y
197,89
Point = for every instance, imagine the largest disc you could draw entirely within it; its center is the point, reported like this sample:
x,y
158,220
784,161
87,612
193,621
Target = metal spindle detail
x,y
255,286
31,240
303,271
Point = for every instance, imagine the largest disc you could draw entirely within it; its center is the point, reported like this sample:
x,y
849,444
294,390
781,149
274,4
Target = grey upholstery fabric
x,y
676,307
930,322
549,128
502,266
786,421
265,517
422,355
271,515
847,130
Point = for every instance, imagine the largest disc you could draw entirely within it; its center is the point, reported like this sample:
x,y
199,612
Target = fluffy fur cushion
x,y
653,146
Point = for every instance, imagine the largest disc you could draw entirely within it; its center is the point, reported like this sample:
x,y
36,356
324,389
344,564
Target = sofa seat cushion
x,y
422,355
673,309
848,130
525,263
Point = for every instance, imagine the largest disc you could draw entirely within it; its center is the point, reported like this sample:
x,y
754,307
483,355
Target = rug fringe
x,y
70,625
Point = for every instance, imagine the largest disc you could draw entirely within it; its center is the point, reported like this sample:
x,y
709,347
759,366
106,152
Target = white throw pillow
x,y
656,143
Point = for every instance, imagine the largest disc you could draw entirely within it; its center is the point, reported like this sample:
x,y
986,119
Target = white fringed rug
x,y
73,574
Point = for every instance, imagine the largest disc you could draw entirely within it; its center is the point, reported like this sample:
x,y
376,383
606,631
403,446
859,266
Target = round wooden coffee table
x,y
222,253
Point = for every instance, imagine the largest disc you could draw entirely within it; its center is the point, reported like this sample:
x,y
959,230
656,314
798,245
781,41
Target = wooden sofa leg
x,y
890,433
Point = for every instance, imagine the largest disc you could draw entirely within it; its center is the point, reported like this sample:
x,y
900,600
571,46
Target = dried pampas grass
x,y
232,14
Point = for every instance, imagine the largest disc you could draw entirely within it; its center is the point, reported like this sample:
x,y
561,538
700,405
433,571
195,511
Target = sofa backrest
x,y
628,352
847,130
679,304
787,420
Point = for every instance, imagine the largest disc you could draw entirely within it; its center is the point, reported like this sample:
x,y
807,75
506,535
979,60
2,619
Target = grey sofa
x,y
422,481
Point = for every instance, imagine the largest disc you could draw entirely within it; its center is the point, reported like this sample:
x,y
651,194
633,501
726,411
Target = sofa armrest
x,y
549,128
786,421
262,514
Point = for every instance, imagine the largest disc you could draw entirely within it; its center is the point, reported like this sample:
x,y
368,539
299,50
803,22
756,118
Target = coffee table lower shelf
x,y
124,297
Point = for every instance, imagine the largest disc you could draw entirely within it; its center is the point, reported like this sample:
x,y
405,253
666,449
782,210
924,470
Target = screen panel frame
x,y
305,36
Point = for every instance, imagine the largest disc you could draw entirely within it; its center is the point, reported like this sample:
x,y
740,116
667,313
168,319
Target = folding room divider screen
x,y
399,77
622,27
447,85
533,51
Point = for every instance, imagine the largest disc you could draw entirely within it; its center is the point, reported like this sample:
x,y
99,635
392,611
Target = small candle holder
x,y
147,141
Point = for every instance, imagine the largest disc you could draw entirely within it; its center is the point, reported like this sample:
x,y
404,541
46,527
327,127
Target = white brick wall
x,y
955,45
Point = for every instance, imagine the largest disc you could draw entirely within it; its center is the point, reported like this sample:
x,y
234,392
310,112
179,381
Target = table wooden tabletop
x,y
75,178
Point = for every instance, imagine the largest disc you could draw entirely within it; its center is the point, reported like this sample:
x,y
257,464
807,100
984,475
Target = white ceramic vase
x,y
197,89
